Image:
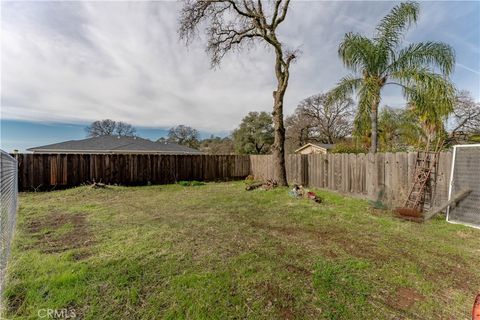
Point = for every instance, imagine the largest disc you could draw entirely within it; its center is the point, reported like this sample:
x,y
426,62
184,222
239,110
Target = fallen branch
x,y
98,185
457,198
254,185
267,185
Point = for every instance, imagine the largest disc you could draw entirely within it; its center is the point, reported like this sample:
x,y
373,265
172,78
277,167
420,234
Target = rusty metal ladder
x,y
419,194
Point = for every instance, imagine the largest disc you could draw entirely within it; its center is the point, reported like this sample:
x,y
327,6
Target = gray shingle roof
x,y
115,144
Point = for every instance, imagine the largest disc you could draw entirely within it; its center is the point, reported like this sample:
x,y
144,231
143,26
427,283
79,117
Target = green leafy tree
x,y
255,135
217,145
349,146
184,135
378,62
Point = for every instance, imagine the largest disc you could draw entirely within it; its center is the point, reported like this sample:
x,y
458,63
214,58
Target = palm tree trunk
x,y
374,126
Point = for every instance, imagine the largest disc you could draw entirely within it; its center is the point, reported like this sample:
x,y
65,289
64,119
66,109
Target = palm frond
x,y
362,123
345,88
357,52
368,93
430,92
411,130
425,54
390,29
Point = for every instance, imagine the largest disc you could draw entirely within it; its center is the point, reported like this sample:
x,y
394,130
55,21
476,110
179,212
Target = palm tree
x,y
379,62
430,126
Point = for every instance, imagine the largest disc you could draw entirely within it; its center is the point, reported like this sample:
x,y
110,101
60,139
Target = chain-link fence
x,y
8,210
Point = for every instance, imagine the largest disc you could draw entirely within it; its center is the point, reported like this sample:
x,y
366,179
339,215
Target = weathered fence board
x,y
48,171
384,176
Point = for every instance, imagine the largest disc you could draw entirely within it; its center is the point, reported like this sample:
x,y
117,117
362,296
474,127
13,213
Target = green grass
x,y
218,252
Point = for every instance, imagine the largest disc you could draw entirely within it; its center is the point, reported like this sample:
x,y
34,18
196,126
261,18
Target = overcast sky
x,y
75,62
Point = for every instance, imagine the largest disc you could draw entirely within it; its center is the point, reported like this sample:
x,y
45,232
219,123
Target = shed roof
x,y
325,146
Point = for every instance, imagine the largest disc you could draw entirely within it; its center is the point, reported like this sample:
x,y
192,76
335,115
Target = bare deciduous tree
x,y
108,127
125,129
332,120
299,129
316,119
231,24
466,114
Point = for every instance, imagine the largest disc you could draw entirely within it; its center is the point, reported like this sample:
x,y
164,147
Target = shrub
x,y
349,147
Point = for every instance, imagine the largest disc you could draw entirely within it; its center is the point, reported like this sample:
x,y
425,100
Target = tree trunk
x,y
282,74
280,173
374,122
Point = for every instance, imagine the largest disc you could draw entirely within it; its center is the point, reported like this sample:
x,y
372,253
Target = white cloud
x,y
82,61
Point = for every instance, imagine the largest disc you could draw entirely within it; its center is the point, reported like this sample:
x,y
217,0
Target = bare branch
x,y
280,19
231,24
223,40
239,11
275,13
466,114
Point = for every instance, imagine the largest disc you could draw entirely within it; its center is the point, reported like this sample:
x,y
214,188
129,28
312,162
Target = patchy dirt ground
x,y
404,298
48,239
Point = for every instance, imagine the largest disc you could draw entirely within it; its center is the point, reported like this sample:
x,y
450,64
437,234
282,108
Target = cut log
x,y
254,186
458,197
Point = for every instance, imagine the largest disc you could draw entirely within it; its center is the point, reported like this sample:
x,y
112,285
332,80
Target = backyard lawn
x,y
217,252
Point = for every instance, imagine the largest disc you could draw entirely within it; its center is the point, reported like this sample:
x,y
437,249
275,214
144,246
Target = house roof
x,y
115,144
316,145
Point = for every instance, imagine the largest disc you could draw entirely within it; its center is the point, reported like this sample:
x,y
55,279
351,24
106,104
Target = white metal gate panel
x,y
465,174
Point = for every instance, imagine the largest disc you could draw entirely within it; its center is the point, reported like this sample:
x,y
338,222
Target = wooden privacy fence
x,y
387,176
48,171
384,175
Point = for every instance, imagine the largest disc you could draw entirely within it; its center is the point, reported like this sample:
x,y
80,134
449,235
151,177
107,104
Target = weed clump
x,y
192,183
